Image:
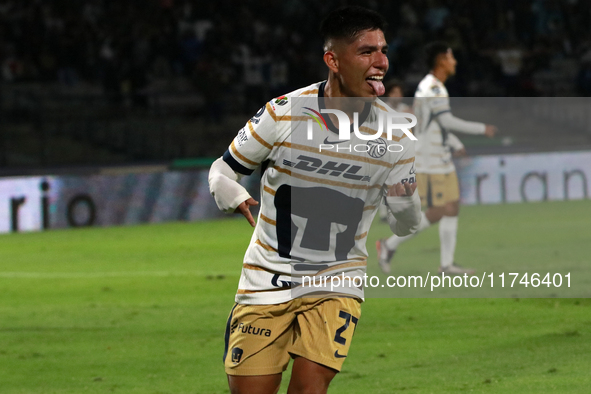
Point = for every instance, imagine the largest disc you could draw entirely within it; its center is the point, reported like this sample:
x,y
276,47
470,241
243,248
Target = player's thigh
x,y
257,339
262,384
324,330
452,208
309,377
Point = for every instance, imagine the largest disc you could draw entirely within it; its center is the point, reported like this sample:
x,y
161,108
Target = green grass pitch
x,y
143,309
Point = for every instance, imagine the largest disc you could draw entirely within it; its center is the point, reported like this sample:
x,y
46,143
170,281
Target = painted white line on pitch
x,y
67,275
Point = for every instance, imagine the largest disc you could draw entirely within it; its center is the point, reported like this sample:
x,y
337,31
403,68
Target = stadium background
x,y
121,106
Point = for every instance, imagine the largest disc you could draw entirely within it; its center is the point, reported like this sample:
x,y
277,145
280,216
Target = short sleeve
x,y
254,142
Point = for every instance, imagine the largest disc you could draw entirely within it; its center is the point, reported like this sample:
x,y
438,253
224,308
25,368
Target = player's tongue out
x,y
377,85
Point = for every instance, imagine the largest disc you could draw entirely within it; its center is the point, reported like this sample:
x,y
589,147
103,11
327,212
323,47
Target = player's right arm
x,y
449,122
250,147
440,110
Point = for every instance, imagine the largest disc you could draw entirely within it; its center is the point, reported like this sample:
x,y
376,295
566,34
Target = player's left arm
x,y
250,147
402,198
230,196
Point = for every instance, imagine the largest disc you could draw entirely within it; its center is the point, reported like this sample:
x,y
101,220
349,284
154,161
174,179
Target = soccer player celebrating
x,y
316,208
436,174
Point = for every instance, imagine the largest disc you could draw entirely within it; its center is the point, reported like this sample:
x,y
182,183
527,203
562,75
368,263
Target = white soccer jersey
x,y
433,148
316,207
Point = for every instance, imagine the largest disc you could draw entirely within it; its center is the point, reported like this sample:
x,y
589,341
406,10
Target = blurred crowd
x,y
248,51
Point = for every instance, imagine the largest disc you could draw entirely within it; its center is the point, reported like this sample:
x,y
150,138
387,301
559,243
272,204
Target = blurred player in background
x,y
394,95
436,175
394,98
268,325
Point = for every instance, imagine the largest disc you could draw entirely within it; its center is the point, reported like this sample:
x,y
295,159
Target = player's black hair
x,y
347,22
393,83
434,49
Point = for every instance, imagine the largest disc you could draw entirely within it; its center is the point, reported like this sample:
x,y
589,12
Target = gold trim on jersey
x,y
379,106
258,137
369,208
294,118
400,162
265,246
307,92
434,166
344,265
269,190
270,221
405,161
241,157
325,181
252,267
284,118
360,236
271,112
257,268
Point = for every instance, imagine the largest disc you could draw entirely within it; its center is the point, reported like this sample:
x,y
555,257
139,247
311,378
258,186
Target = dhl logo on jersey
x,y
331,168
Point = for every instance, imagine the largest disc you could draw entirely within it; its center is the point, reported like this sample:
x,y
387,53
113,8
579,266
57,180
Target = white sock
x,y
448,232
393,242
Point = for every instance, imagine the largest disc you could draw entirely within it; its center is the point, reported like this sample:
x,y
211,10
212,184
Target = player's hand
x,y
402,189
490,130
460,153
244,209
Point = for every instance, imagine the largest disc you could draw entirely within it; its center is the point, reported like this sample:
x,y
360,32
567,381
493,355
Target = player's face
x,y
449,63
363,64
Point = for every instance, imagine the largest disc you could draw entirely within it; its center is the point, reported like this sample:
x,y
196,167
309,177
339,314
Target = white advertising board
x,y
524,177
